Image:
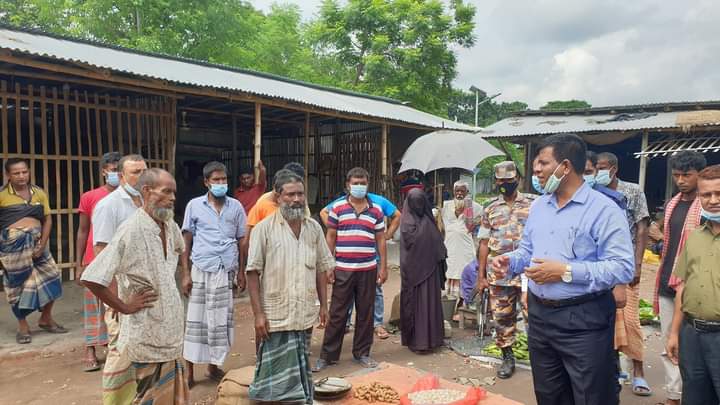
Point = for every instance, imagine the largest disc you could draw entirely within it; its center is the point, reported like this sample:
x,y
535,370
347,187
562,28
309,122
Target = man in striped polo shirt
x,y
356,229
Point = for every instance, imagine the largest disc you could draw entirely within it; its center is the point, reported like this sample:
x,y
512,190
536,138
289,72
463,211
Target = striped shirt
x,y
355,244
288,266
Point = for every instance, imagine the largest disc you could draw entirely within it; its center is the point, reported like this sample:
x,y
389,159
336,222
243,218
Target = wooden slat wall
x,y
334,147
63,132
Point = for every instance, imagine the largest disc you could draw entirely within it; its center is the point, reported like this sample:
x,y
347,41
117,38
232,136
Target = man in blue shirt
x,y
389,211
213,228
575,248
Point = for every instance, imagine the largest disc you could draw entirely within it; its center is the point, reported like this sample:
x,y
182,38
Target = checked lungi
x,y
94,320
118,376
282,371
209,329
161,383
30,283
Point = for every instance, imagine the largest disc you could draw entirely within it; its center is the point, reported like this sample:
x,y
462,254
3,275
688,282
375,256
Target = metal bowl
x,y
331,388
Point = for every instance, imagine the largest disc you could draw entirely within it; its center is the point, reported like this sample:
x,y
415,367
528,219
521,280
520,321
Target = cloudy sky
x,y
609,52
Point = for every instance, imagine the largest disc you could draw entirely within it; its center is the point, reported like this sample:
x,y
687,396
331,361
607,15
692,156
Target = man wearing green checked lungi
x,y
289,250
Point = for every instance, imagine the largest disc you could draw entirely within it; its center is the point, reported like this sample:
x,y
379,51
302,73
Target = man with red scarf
x,y
682,215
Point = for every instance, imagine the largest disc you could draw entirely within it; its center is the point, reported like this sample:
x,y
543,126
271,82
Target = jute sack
x,y
233,389
395,311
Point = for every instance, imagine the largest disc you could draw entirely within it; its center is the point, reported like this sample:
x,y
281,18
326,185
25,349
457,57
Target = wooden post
x,y
438,190
384,159
306,147
258,137
527,180
643,161
235,168
318,156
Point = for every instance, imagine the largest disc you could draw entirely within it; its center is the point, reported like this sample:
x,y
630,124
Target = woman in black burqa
x,y
422,270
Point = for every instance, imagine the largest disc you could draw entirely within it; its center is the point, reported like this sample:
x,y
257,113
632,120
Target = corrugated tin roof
x,y
670,145
665,106
515,127
201,74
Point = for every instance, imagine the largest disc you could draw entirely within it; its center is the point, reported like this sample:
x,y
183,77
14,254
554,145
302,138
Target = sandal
x,y
640,387
22,338
91,365
381,333
322,364
365,361
53,328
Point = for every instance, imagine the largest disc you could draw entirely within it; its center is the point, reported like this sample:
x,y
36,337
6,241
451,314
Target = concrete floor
x,y
50,369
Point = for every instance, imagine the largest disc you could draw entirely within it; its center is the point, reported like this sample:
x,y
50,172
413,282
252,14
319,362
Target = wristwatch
x,y
567,276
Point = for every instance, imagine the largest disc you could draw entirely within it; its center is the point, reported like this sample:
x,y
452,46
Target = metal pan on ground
x,y
331,388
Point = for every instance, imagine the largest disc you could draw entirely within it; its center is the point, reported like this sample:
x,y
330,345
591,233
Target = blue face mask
x,y
536,184
358,190
603,177
113,179
132,191
590,180
710,216
219,190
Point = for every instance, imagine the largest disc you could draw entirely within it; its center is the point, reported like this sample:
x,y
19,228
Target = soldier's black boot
x,y
507,368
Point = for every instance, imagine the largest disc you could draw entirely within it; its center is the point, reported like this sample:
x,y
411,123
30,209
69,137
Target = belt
x,y
701,325
580,299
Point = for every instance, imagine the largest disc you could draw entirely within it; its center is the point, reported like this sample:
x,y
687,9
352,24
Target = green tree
x,y
396,48
216,31
48,15
462,108
566,105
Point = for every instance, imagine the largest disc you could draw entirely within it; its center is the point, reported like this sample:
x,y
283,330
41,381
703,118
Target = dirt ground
x,y
50,370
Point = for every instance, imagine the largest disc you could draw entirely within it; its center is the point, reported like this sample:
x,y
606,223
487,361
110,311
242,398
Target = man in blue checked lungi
x,y
288,250
31,279
213,229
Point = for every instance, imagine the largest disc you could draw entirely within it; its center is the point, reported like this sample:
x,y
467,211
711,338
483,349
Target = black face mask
x,y
508,188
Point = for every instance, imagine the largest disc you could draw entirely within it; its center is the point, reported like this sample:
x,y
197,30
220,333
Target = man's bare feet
x,y
190,374
215,373
381,333
23,327
672,401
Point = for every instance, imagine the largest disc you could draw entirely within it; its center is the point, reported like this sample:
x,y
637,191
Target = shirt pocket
x,y
310,248
584,246
228,227
496,218
273,305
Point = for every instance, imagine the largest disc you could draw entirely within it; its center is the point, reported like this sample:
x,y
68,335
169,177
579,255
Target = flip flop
x,y
91,366
366,362
22,338
640,387
322,364
53,328
381,333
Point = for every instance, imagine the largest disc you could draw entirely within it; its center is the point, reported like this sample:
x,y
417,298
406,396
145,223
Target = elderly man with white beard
x,y
143,257
288,250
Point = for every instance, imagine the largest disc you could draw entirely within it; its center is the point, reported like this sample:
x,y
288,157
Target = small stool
x,y
466,314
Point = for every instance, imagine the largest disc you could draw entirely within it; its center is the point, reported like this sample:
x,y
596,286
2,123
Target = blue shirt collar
x,y
206,201
581,196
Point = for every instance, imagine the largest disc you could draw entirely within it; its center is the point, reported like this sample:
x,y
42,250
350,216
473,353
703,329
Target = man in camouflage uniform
x,y
500,233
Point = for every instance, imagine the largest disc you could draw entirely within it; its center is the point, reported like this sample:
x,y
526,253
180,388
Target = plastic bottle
x,y
468,212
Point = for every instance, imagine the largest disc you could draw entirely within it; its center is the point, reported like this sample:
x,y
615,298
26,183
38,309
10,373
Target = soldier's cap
x,y
505,170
